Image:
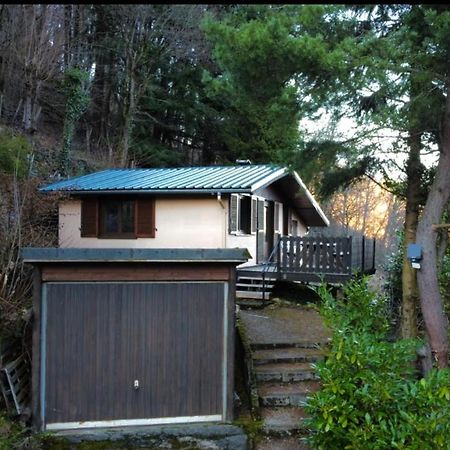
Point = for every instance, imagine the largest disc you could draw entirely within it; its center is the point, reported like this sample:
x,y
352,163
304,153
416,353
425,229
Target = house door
x,y
132,353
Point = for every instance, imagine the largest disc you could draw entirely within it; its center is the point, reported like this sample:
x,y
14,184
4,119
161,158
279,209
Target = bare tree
x,y
33,50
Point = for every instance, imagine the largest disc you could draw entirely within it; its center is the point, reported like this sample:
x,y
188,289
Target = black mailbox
x,y
414,253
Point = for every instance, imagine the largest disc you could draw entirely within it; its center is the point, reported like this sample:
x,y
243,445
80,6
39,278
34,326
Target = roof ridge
x,y
193,167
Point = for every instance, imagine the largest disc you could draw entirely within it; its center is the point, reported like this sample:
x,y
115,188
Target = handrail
x,y
266,265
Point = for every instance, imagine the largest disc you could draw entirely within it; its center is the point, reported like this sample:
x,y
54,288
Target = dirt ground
x,y
280,323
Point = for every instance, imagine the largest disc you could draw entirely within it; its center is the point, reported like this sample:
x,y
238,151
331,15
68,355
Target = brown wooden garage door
x,y
101,339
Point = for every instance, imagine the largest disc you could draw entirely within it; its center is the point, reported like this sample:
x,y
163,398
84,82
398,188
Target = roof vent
x,y
243,162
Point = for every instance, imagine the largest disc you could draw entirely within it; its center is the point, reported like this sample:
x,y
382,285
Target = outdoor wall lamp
x,y
414,254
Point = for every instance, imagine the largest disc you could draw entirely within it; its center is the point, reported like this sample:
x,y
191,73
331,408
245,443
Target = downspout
x,y
224,222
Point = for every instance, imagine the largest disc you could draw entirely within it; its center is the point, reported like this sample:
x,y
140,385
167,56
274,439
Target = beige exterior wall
x,y
180,223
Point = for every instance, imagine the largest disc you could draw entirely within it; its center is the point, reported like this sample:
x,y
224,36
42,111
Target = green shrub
x,y
371,396
14,436
14,152
393,268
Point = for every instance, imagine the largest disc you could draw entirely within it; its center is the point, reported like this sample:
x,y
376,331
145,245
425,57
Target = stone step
x,y
256,274
282,443
254,285
250,303
304,344
285,372
283,420
252,294
286,355
287,394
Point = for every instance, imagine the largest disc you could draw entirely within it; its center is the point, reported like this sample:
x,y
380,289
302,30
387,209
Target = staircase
x,y
284,378
250,286
282,342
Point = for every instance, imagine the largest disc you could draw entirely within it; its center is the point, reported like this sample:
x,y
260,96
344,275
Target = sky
x,y
347,129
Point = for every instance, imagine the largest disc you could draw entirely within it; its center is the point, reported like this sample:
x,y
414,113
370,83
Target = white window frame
x,y
238,231
277,226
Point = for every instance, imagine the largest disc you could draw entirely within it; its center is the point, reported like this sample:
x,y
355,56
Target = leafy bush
x,y
393,286
14,436
14,151
371,396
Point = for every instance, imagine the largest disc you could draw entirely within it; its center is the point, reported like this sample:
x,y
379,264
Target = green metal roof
x,y
247,178
242,178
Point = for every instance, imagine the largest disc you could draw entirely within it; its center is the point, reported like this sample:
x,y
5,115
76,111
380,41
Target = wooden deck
x,y
316,259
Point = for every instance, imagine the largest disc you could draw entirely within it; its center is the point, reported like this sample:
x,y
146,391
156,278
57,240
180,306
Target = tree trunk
x,y
408,320
67,36
125,141
443,240
27,112
129,110
103,78
36,108
436,322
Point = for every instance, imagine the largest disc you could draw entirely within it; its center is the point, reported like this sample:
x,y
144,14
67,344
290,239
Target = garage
x,y
132,337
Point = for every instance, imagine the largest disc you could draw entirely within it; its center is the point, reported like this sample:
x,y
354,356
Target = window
x,y
243,214
118,218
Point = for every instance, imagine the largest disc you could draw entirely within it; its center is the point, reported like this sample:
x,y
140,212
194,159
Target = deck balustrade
x,y
325,255
331,259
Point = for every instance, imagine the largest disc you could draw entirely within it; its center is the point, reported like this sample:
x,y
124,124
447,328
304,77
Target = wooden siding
x,y
136,272
230,342
102,336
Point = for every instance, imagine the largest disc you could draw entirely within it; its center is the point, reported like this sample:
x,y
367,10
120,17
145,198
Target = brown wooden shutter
x,y
254,215
234,199
145,217
89,217
261,215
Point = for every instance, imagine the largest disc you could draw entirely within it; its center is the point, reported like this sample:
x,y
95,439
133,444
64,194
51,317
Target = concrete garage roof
x,y
245,178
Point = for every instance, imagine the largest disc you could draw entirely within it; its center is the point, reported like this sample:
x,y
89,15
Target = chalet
x,y
246,206
266,209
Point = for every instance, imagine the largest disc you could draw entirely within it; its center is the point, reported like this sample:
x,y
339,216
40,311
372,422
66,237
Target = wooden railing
x,y
325,255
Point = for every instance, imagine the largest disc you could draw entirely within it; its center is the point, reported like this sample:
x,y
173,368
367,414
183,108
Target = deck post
x,y
279,252
373,254
263,285
363,253
350,250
